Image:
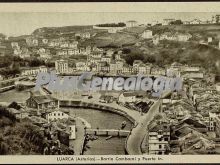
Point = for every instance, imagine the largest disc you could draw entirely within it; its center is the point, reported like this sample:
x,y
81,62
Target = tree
x,y
14,105
176,22
126,51
36,62
130,58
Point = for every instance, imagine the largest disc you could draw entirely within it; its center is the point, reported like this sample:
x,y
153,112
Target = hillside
x,y
57,31
204,30
22,137
105,39
168,52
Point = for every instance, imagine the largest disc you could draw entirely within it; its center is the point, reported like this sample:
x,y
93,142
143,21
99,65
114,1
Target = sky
x,y
18,23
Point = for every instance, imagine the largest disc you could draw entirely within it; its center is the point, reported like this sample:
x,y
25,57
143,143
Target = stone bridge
x,y
107,132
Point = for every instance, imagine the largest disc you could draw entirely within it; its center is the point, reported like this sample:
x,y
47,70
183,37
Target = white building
x,y
85,35
209,39
1,77
167,21
195,21
112,30
217,87
148,34
127,97
61,66
33,71
131,23
72,130
158,140
73,44
56,115
15,45
45,41
81,66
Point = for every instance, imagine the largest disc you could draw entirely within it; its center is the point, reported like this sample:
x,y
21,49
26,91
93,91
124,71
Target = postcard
x,y
134,82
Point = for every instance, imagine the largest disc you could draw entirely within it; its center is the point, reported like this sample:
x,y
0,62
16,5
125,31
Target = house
x,y
42,102
96,55
64,44
131,23
25,53
147,34
33,71
195,21
44,53
106,59
112,30
136,65
183,36
62,52
158,71
73,44
217,87
80,66
94,59
195,123
15,45
195,75
112,67
61,66
101,66
167,21
209,39
158,139
1,77
175,36
19,114
45,41
106,99
156,39
56,115
174,70
73,51
127,97
142,69
154,22
186,22
109,53
54,43
119,65
17,52
72,130
127,69
117,56
32,41
84,51
85,35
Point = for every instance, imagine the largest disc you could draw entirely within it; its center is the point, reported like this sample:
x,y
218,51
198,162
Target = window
x,y
54,114
160,146
62,114
166,139
58,114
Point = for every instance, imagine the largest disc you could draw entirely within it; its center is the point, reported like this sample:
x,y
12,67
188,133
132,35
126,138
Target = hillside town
x,y
178,122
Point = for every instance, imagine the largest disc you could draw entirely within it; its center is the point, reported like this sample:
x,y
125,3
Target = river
x,y
103,120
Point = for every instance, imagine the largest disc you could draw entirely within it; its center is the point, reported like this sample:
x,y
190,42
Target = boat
x,y
109,137
123,124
